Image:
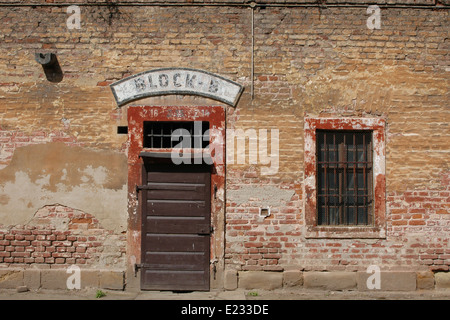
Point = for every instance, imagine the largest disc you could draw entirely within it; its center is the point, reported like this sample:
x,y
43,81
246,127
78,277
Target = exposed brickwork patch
x,y
60,235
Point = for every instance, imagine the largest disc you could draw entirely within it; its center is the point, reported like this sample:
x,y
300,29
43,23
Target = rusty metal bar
x,y
355,181
334,189
345,182
364,173
327,210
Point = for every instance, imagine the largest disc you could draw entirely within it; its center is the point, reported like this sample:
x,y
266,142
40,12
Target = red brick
x,y
253,244
20,243
61,237
399,223
416,222
62,243
21,232
43,243
41,232
20,254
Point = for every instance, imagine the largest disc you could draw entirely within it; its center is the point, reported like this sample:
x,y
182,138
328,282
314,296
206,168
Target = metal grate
x,y
159,134
344,178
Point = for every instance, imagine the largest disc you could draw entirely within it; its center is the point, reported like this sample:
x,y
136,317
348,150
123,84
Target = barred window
x,y
158,134
344,178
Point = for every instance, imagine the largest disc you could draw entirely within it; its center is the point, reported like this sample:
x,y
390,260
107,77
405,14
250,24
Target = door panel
x,y
176,209
179,243
168,225
163,261
196,193
172,207
173,280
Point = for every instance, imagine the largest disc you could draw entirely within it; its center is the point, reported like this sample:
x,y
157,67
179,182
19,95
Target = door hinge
x,y
137,266
139,188
214,268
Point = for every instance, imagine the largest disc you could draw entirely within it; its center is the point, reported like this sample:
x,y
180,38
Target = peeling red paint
x,y
377,126
215,115
380,199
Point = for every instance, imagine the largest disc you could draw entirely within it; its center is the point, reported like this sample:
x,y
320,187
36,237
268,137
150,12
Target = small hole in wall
x,y
264,212
122,130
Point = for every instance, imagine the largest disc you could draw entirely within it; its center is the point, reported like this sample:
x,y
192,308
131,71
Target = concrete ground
x,y
238,294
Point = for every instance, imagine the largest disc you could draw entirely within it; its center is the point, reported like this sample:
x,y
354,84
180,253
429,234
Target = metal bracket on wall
x,y
139,188
137,266
51,66
214,267
46,59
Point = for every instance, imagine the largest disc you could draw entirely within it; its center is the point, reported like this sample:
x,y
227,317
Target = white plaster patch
x,y
26,196
260,195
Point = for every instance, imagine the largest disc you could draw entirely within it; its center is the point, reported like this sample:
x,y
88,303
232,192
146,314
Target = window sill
x,y
345,232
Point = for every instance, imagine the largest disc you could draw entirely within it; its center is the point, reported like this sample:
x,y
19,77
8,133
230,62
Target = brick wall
x,y
322,64
59,235
308,61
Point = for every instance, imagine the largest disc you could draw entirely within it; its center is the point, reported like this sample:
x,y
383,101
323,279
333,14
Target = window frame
x,y
378,228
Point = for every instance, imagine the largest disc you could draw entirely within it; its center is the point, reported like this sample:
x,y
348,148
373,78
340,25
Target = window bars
x,y
344,183
160,134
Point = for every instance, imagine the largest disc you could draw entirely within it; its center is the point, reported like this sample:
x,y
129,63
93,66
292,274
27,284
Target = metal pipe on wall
x,y
252,7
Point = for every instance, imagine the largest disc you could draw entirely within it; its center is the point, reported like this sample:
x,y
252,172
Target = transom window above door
x,y
169,134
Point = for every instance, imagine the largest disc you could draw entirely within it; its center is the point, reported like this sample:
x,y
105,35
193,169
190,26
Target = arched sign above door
x,y
168,81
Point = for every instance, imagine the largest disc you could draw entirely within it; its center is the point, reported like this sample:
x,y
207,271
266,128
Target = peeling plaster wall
x,y
270,196
53,173
308,62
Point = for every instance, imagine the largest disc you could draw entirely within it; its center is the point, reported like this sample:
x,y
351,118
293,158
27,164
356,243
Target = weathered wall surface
x,y
77,177
59,146
326,63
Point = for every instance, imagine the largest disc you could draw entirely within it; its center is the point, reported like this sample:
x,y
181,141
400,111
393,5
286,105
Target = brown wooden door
x,y
176,214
